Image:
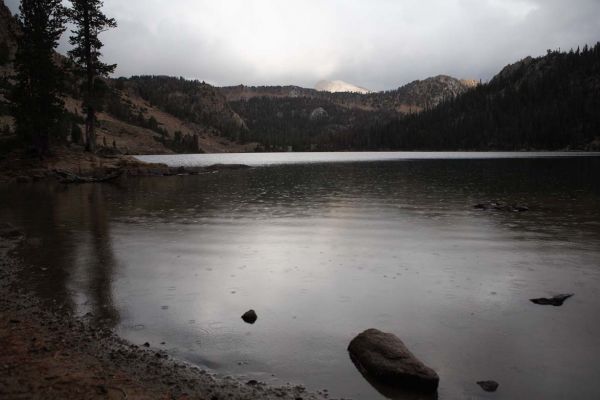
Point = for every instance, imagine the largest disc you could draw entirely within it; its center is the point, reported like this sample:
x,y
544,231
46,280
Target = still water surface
x,y
325,251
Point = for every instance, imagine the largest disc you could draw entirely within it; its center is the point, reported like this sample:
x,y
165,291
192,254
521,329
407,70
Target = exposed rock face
x,y
318,114
431,92
385,358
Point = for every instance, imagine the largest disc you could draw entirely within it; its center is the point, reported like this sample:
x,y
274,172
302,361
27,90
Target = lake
x,y
325,246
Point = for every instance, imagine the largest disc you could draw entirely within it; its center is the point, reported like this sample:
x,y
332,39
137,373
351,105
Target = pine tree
x,y
37,107
89,23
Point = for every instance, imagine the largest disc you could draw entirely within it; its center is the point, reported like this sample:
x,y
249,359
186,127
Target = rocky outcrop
x,y
318,114
384,358
431,92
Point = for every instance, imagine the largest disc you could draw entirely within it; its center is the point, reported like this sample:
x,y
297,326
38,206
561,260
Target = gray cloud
x,y
379,44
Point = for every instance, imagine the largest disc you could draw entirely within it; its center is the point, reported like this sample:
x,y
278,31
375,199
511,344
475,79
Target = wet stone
x,y
384,358
489,386
250,317
555,301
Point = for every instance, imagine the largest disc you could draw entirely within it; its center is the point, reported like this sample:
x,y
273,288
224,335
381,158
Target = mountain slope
x,y
140,115
548,102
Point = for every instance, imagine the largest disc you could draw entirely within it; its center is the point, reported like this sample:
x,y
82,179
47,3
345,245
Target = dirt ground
x,y
45,353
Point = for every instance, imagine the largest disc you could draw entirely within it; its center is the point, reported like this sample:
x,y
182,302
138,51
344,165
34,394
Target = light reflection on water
x,y
322,252
262,159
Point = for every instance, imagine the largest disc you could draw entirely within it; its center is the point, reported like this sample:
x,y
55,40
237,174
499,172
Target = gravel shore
x,y
46,353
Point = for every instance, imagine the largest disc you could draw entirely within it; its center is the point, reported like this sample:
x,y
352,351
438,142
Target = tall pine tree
x,y
37,106
89,23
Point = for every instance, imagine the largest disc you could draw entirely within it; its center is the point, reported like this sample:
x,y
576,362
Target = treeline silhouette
x,y
551,103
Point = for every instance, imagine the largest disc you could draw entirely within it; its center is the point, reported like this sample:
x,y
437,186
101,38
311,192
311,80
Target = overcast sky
x,y
378,44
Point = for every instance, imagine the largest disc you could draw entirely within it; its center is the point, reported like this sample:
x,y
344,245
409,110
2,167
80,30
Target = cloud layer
x,y
378,44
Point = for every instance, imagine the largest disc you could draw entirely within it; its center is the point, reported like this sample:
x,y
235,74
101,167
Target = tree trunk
x,y
90,133
41,145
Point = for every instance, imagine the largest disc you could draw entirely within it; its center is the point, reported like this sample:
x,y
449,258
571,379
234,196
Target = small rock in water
x,y
385,358
489,386
146,344
555,301
499,206
250,317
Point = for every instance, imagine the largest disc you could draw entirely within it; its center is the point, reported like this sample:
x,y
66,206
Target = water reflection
x,y
68,254
323,252
102,261
395,393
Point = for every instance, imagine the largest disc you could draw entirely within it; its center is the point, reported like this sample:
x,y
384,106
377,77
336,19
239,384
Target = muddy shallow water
x,y
325,251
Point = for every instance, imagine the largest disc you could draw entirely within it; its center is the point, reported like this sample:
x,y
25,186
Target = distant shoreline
x,y
23,169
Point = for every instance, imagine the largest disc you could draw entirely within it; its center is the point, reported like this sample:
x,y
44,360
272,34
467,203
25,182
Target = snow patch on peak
x,y
339,86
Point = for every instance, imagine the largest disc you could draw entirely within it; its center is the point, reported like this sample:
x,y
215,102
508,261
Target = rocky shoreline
x,y
48,353
69,166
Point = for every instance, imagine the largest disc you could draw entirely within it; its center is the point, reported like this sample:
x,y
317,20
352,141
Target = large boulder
x,y
384,358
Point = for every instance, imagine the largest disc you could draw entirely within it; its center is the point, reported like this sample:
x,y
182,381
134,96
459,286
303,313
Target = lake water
x,y
264,159
323,251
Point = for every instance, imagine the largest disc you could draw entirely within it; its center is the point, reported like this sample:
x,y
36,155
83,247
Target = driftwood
x,y
69,177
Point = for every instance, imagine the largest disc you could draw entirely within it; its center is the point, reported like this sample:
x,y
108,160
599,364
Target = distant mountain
x,y
413,97
339,86
280,116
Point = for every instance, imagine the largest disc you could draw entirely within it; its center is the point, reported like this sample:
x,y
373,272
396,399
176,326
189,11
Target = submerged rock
x,y
499,206
489,386
250,317
555,301
385,358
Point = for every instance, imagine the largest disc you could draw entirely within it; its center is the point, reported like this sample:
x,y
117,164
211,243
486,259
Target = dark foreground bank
x,y
48,354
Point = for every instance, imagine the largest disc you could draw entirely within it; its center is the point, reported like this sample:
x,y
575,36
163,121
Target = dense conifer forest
x,y
550,103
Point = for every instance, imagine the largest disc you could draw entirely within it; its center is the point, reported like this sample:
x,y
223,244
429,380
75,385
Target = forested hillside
x,y
550,103
139,115
280,117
